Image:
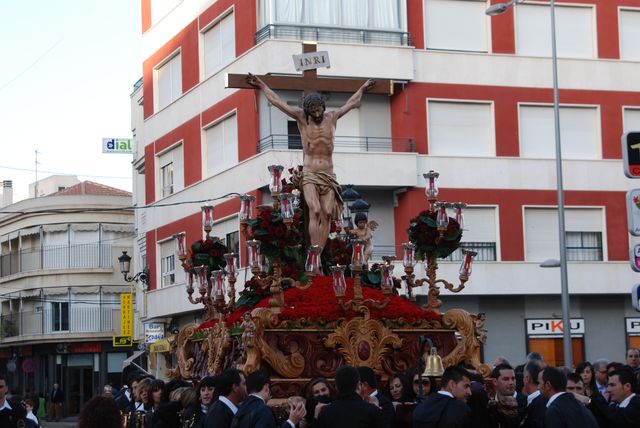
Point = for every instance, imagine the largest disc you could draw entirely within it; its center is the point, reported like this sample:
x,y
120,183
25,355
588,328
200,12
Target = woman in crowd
x,y
396,388
586,372
421,387
100,412
319,393
155,393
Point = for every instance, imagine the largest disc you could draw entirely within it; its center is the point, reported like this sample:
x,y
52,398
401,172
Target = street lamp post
x,y
497,9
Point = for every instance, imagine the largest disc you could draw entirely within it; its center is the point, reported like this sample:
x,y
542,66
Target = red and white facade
x,y
473,102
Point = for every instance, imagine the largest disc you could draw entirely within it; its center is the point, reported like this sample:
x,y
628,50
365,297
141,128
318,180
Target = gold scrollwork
x,y
363,342
219,343
465,351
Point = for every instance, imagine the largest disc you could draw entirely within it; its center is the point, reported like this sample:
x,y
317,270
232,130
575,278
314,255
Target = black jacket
x,y
617,417
534,413
566,412
219,416
441,411
254,413
388,411
350,411
16,417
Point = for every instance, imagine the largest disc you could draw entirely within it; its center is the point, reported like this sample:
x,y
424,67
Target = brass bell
x,y
433,366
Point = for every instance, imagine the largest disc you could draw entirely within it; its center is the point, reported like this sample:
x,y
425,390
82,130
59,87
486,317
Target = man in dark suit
x,y
533,416
447,408
368,390
254,412
232,388
12,414
626,412
563,410
56,398
349,410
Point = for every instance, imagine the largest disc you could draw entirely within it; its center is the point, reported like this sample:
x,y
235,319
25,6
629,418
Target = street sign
x,y
631,154
635,297
122,341
633,211
634,257
311,60
153,332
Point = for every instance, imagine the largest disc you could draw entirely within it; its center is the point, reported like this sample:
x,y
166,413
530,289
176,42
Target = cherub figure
x,y
364,232
249,330
481,331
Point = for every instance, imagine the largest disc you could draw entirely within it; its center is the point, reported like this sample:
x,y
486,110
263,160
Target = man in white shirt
x,y
563,410
232,388
626,412
536,403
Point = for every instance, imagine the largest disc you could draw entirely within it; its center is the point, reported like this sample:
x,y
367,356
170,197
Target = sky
x,y
67,72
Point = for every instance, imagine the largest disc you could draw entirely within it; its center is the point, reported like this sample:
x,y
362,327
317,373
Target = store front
x,y
546,337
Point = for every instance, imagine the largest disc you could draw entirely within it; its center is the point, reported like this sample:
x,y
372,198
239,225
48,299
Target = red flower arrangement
x,y
423,232
208,252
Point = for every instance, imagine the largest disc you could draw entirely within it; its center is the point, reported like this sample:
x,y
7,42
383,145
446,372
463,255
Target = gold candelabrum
x,y
431,264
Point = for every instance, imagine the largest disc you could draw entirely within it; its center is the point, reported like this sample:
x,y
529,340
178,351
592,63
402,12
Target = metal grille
x,y
334,34
344,143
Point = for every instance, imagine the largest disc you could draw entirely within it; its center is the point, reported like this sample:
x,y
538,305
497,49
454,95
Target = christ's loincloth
x,y
324,183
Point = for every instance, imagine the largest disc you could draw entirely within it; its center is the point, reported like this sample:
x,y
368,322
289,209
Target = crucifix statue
x,y
319,186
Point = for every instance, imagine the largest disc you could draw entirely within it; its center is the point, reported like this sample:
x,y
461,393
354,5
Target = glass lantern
x,y
431,190
442,218
408,255
201,277
357,257
246,207
207,218
190,282
253,254
387,278
230,258
217,283
275,183
339,283
181,245
286,205
313,259
457,208
467,259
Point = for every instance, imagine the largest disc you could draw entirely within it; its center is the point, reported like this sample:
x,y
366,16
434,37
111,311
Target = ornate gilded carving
x,y
363,342
219,343
185,360
461,321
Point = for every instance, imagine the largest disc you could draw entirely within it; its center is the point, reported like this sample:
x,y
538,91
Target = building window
x,y
583,238
228,231
168,82
233,242
629,34
167,263
470,31
460,128
219,45
575,32
60,316
579,132
479,234
170,172
222,145
631,119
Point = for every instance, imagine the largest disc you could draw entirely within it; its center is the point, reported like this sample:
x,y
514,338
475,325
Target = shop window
x,y
551,349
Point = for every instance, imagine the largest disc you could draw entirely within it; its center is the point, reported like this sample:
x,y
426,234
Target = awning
x,y
134,356
161,345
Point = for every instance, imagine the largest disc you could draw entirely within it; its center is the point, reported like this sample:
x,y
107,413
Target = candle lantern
x,y
408,255
296,198
467,259
339,283
231,258
286,207
190,283
431,189
181,245
387,278
357,257
264,264
442,218
313,263
457,208
275,183
207,218
201,277
246,207
217,284
253,254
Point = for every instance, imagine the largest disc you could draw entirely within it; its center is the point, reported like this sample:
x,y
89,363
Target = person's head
x,y
418,382
231,384
171,386
28,404
500,360
142,390
633,358
361,220
188,397
456,381
622,383
585,370
368,380
396,387
550,381
314,107
56,386
107,390
575,383
482,316
207,388
156,389
530,376
318,387
176,394
505,378
534,356
3,387
614,365
600,371
347,380
259,383
100,412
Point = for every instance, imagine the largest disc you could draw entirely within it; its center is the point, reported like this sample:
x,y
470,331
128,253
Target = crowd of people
x,y
530,395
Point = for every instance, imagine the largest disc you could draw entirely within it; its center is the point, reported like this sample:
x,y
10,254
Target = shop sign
x,y
117,145
633,326
84,348
28,365
126,314
153,332
553,327
122,341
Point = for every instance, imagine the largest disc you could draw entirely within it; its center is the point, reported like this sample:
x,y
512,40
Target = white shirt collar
x,y
256,395
447,393
535,394
229,404
6,405
554,396
374,393
626,401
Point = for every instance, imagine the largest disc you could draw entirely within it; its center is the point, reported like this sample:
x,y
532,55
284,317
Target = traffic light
x,y
631,154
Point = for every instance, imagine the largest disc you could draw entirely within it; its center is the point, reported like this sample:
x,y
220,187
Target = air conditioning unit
x,y
62,348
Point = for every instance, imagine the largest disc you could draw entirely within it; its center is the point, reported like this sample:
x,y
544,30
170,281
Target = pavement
x,y
70,422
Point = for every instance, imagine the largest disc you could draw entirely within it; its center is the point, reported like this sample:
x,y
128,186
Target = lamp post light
x,y
125,268
497,9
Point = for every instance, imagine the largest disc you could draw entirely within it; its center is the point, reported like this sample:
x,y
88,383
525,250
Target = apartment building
x,y
472,100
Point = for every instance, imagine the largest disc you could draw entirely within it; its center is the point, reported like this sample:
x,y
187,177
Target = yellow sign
x,y
126,314
122,341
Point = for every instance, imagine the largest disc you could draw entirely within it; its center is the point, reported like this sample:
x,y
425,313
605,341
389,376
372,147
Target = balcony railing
x,y
57,257
342,143
52,321
334,34
486,251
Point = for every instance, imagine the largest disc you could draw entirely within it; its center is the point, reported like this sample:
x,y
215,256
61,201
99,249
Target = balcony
x,y
342,143
60,320
57,257
333,34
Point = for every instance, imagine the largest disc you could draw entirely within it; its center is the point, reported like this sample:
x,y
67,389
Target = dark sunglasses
x,y
424,382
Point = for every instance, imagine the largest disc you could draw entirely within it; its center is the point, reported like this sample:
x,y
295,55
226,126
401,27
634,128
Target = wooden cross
x,y
310,82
